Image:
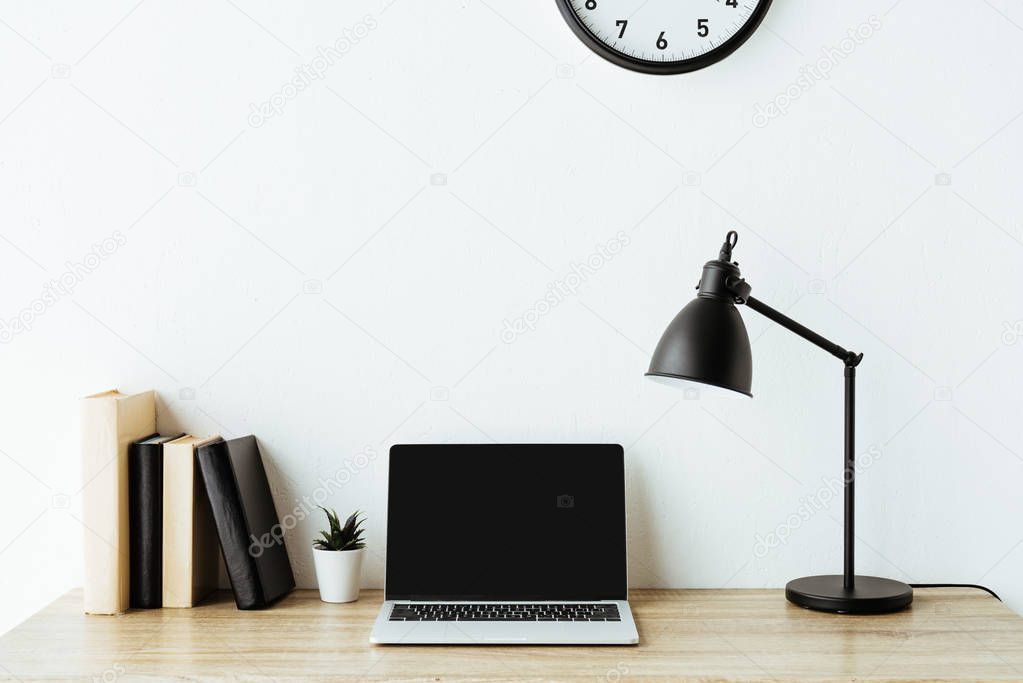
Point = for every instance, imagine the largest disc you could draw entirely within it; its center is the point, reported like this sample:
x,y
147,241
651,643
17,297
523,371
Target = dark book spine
x,y
264,528
225,499
145,525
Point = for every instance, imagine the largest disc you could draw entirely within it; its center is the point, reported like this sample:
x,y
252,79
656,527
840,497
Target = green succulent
x,y
346,537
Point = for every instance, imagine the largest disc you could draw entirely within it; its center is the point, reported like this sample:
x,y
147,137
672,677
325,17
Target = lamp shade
x,y
707,343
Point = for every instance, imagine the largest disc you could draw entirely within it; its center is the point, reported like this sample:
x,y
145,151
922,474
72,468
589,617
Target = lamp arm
x,y
725,281
850,358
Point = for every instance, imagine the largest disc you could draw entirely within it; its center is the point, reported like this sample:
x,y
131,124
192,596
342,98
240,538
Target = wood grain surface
x,y
705,635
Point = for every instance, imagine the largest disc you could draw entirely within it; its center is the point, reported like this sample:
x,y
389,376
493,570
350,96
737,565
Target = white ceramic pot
x,y
338,573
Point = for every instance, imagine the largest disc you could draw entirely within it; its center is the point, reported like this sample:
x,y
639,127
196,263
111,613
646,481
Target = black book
x,y
145,521
251,537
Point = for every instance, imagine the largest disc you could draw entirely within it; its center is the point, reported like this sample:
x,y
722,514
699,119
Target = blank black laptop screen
x,y
506,522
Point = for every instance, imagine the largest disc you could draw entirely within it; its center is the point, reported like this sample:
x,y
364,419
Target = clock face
x,y
663,36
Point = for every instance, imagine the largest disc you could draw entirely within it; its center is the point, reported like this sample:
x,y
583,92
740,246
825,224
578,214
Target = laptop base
x,y
387,632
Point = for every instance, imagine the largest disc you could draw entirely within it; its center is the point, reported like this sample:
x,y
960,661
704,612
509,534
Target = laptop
x,y
507,544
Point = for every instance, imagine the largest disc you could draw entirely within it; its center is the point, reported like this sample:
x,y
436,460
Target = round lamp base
x,y
871,595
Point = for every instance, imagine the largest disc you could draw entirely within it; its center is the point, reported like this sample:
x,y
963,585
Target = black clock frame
x,y
662,68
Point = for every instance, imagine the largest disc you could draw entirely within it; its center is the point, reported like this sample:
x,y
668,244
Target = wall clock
x,y
663,36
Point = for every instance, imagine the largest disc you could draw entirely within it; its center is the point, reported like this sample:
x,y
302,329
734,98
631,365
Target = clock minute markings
x,y
585,10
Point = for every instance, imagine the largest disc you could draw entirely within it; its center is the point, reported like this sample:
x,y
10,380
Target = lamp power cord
x,y
956,585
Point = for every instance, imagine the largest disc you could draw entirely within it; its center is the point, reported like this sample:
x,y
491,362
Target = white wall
x,y
304,280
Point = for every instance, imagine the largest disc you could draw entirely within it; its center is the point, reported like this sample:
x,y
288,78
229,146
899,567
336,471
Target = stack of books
x,y
155,507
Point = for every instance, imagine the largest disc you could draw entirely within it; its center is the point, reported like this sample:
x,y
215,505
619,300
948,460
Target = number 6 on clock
x,y
663,36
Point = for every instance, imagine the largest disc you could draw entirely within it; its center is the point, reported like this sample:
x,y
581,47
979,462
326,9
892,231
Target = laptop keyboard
x,y
504,612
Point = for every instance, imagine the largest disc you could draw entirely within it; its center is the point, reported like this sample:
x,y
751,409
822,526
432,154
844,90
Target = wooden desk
x,y
948,634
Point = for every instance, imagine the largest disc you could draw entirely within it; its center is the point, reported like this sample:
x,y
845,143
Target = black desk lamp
x,y
707,343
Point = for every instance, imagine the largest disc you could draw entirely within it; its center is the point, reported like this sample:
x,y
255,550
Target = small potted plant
x,y
337,556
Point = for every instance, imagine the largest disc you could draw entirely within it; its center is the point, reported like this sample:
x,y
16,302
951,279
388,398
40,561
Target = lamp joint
x,y
739,288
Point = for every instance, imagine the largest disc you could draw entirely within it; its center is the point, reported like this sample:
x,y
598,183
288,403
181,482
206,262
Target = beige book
x,y
191,551
111,421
